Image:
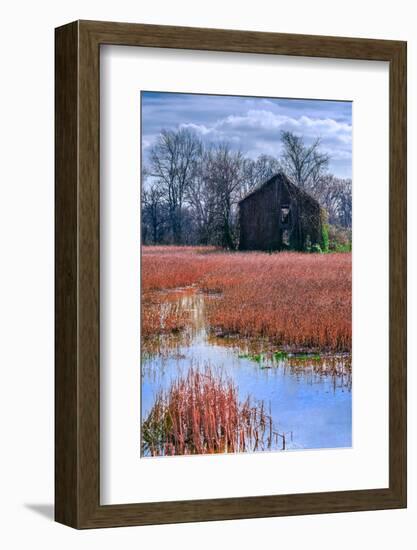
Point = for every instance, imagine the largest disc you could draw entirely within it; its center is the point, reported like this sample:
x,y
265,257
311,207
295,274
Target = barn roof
x,y
282,176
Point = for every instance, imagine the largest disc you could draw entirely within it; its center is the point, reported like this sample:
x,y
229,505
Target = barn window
x,y
285,215
286,237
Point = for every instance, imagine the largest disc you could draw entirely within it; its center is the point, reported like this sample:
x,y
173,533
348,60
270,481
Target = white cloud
x,y
254,124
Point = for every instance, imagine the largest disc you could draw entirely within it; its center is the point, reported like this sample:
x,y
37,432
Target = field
x,y
296,301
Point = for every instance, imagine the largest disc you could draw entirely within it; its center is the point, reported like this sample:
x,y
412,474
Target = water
x,y
310,399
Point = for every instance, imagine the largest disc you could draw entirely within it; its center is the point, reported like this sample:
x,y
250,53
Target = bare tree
x,y
201,198
173,163
345,208
153,217
335,195
305,165
224,175
342,193
256,172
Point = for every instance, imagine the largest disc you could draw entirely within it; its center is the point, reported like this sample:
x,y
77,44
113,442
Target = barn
x,y
279,216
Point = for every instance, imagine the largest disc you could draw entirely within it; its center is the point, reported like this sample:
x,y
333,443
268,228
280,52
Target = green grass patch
x,y
280,355
306,357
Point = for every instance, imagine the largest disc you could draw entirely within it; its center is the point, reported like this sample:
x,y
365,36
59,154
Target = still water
x,y
309,398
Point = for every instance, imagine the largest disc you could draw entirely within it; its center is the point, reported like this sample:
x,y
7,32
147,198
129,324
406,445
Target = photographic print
x,y
246,274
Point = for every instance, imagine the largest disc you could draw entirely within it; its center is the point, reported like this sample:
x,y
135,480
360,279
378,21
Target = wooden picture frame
x,y
77,382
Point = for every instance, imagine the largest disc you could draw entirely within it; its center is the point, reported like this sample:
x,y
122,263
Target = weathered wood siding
x,y
258,219
263,225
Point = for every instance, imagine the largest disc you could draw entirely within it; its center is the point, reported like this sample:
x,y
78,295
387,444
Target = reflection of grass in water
x,y
277,356
257,357
260,351
160,316
201,414
164,345
177,318
306,357
336,366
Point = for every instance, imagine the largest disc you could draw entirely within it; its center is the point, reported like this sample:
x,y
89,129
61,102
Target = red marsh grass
x,y
293,299
201,414
166,267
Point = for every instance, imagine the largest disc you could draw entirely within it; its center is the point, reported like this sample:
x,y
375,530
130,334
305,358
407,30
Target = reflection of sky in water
x,y
316,408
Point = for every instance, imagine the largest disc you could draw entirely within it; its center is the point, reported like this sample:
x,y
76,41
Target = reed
x,y
201,414
300,301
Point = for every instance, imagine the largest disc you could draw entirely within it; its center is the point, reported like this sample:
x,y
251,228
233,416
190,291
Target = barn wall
x,y
259,220
287,196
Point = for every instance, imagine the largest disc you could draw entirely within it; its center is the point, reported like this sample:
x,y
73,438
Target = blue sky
x,y
253,124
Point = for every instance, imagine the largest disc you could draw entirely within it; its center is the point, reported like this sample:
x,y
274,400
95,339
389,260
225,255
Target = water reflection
x,y
309,394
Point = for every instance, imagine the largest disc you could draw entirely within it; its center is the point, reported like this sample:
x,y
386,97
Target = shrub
x,y
316,248
325,237
340,238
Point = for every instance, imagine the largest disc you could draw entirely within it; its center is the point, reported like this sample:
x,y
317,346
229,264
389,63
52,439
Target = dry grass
x,y
295,300
201,414
165,267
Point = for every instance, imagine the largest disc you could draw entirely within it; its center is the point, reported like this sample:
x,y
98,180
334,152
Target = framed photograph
x,y
230,274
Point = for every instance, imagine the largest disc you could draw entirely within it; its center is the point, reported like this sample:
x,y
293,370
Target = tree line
x,y
191,190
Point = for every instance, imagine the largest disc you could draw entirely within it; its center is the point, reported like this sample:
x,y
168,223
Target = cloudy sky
x,y
252,124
